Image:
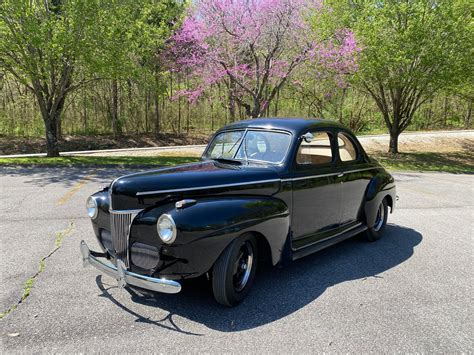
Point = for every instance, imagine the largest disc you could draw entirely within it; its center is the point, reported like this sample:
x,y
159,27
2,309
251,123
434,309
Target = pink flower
x,y
254,46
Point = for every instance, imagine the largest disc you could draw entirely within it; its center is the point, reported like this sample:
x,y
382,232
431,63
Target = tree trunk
x,y
467,117
231,107
131,115
84,110
147,107
445,111
59,132
430,114
211,105
232,101
188,107
393,147
277,100
157,114
51,110
52,147
188,116
114,109
179,114
51,123
256,109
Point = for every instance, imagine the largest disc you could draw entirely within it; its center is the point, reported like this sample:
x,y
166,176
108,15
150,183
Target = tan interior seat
x,y
317,151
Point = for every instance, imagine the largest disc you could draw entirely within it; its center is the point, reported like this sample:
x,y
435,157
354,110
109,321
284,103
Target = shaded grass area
x,y
456,163
98,161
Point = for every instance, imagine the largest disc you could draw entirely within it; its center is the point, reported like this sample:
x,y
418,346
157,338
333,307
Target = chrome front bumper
x,y
125,277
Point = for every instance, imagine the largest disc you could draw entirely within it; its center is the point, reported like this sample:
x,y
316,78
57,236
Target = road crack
x,y
29,283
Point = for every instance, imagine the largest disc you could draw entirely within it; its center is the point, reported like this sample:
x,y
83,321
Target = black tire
x,y
375,232
229,273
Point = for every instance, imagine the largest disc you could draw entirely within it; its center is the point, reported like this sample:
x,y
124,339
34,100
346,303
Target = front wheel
x,y
374,233
234,271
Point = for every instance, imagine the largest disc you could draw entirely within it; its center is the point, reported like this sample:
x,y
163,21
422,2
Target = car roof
x,y
293,125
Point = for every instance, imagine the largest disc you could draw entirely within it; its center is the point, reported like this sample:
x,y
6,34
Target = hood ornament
x,y
184,203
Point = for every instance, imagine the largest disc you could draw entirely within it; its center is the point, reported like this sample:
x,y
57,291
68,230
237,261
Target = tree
x,y
253,47
40,43
54,47
156,24
412,49
133,37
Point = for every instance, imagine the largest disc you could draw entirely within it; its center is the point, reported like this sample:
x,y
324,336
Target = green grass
x,y
460,162
95,160
456,163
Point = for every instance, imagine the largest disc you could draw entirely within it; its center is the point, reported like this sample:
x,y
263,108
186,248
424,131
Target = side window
x,y
347,149
316,152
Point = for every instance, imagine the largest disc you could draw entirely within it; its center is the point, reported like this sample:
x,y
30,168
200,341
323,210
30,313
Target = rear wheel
x,y
234,271
374,233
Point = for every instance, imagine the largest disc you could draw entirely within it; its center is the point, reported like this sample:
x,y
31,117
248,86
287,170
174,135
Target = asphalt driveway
x,y
412,291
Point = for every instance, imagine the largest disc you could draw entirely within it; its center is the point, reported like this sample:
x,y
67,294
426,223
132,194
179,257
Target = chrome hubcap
x,y
243,266
380,218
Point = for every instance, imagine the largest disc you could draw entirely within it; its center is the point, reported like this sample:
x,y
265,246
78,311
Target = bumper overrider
x,y
125,277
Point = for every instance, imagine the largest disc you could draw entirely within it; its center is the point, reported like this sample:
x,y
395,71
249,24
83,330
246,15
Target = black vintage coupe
x,y
275,189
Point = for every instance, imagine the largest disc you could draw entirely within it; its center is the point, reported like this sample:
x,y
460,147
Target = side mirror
x,y
308,137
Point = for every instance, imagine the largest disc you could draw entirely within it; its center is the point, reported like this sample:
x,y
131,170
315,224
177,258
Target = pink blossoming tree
x,y
254,46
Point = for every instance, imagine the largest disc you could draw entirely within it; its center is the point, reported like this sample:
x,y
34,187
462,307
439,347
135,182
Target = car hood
x,y
185,181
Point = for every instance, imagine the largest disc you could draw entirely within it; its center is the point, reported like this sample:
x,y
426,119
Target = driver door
x,y
316,190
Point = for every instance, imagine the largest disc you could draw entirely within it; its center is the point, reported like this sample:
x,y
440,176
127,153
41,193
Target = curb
x,y
85,152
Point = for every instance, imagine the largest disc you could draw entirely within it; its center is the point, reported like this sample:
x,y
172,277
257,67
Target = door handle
x,y
340,175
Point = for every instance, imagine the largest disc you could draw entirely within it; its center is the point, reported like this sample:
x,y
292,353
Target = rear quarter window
x,y
347,149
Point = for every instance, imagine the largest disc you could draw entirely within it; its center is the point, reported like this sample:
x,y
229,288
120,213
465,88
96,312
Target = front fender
x,y
207,227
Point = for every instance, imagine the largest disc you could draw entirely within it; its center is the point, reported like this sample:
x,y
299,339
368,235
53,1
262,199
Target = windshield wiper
x,y
220,159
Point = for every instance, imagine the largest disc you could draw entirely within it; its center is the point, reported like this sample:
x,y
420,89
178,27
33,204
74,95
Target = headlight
x,y
166,228
92,208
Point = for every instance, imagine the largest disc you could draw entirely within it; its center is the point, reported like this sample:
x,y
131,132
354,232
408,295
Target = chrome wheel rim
x,y
243,266
380,218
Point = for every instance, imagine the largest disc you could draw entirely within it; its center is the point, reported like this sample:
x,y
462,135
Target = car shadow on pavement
x,y
279,292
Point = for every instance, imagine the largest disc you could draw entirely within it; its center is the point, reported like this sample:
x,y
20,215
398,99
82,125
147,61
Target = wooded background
x,y
103,67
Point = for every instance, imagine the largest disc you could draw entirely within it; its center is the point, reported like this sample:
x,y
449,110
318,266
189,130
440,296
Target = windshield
x,y
251,145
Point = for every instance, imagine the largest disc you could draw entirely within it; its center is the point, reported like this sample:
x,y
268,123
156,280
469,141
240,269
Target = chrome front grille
x,y
120,222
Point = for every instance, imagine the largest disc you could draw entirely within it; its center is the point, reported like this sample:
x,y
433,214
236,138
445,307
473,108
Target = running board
x,y
323,244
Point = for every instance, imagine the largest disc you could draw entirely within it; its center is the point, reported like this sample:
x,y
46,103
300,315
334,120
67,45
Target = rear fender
x,y
381,186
